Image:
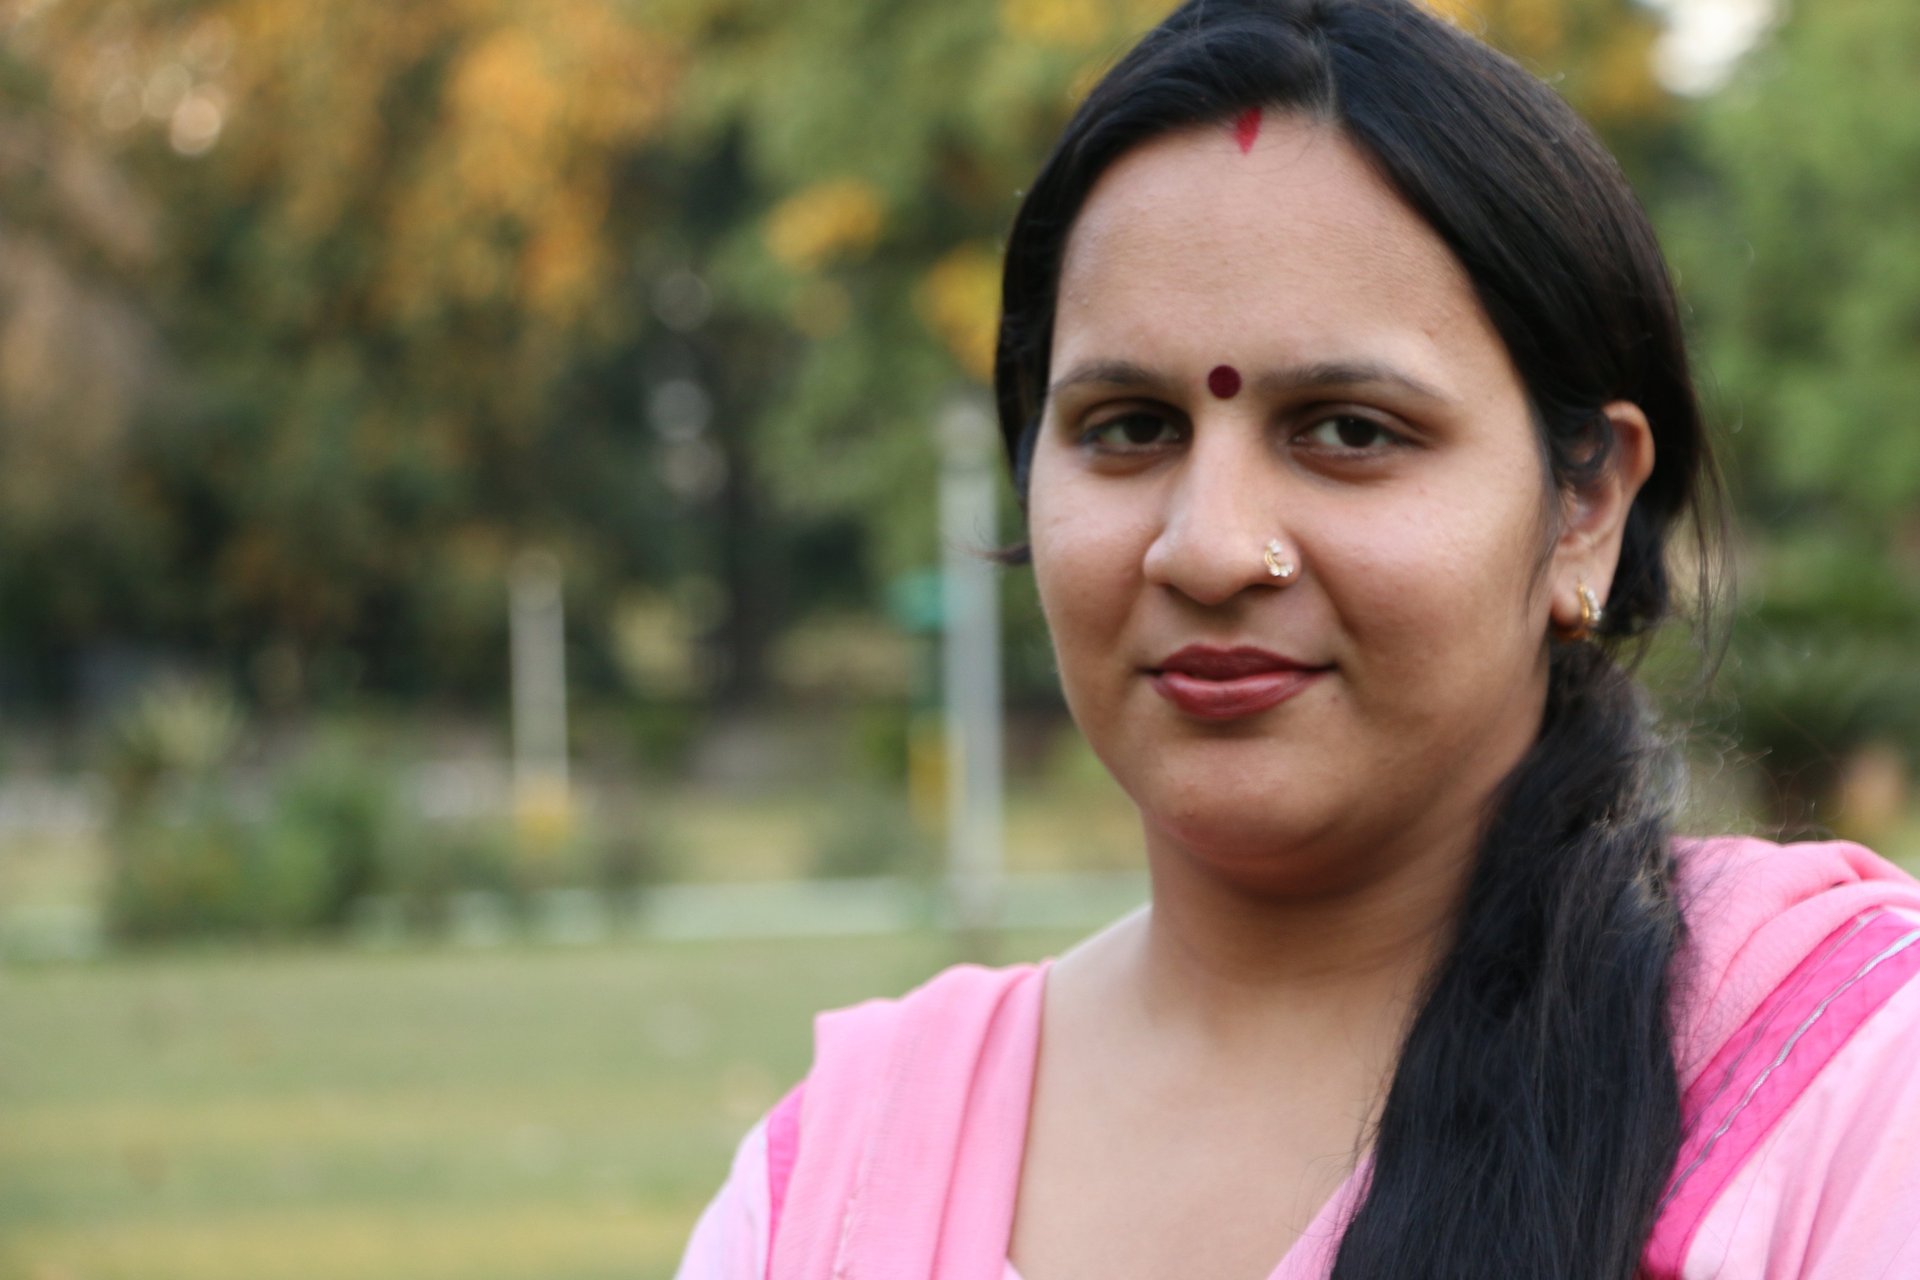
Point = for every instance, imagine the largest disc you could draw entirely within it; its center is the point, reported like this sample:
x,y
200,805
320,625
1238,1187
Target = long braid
x,y
1534,1115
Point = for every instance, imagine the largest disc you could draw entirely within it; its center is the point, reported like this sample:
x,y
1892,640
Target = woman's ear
x,y
1593,518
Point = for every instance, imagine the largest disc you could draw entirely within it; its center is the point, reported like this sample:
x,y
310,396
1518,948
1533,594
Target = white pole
x,y
971,666
537,634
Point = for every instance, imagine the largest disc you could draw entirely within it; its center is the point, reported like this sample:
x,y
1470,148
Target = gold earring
x,y
1277,566
1592,614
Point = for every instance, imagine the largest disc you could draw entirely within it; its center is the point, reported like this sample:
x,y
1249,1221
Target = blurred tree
x,y
1598,54
1801,255
882,149
78,358
675,289
390,265
1803,260
891,144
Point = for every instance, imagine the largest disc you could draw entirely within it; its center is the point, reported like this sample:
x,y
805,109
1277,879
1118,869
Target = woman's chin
x,y
1262,852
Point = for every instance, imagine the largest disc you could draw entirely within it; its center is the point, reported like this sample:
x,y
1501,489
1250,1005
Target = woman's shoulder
x,y
957,986
932,1032
957,1002
1763,917
1731,880
954,1052
1801,1156
919,1050
1798,1015
1830,1176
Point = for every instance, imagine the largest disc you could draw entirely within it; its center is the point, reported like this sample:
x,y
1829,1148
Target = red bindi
x,y
1224,381
1246,128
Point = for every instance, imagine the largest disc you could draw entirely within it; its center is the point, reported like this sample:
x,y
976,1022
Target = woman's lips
x,y
1225,684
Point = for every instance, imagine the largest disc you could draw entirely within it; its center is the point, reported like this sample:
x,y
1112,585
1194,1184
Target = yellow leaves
x,y
529,95
1068,24
1534,28
561,266
1598,55
303,119
511,205
1621,84
1079,24
657,644
1138,15
959,299
506,105
1465,14
620,77
467,145
833,220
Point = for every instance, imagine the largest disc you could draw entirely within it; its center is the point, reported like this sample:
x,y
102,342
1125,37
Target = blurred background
x,y
474,582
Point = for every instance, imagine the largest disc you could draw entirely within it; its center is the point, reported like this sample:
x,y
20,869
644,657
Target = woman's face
x,y
1378,432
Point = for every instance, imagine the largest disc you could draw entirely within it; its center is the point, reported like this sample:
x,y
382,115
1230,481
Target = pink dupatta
x,y
938,1086
1793,949
914,1116
924,1104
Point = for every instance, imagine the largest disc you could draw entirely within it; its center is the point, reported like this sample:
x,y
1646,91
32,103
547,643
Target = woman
x,y
1341,378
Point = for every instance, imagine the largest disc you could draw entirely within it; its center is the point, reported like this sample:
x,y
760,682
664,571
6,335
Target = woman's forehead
x,y
1291,239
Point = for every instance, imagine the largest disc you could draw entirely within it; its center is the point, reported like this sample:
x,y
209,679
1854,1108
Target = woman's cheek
x,y
1081,614
1422,563
1381,580
1085,556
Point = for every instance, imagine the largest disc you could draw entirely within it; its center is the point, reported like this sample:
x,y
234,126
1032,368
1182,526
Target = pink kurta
x,y
1799,1031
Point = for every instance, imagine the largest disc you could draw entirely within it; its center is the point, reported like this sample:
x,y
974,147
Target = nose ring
x,y
1278,566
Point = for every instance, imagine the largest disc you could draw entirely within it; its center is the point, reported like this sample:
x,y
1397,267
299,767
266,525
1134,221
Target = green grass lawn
x,y
352,1116
520,1113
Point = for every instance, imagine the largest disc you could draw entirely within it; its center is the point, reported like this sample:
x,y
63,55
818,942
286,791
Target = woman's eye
x,y
1132,432
1347,431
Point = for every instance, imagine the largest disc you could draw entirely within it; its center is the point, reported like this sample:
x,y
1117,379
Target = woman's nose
x,y
1222,511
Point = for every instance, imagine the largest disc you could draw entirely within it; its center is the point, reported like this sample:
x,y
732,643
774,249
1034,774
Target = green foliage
x,y
338,797
429,277
627,856
1799,252
384,253
1803,261
426,874
198,853
664,733
879,741
1800,695
313,316
201,869
176,729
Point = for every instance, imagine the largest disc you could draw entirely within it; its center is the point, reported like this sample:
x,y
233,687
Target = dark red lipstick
x,y
1212,683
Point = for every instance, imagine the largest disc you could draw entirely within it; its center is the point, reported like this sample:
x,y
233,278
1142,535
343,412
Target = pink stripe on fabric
x,y
1763,1069
783,1148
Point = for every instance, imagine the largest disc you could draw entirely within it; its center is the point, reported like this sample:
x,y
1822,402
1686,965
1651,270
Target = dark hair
x,y
1533,1117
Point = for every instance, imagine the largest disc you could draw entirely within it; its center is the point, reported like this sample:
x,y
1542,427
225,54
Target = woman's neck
x,y
1236,969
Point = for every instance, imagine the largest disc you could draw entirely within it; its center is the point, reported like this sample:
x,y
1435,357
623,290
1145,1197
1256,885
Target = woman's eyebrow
x,y
1296,377
1346,373
1107,373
